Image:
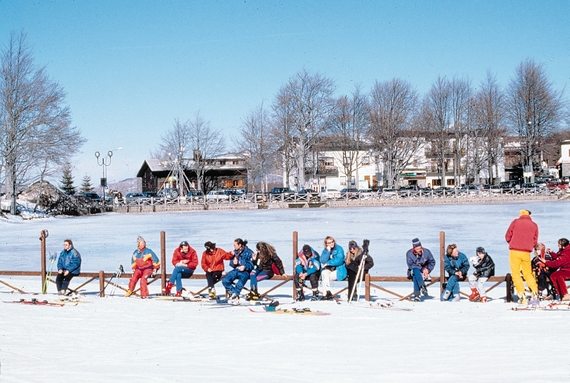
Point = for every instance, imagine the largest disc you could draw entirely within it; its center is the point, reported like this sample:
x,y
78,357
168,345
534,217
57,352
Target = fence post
x,y
366,287
162,260
43,236
509,283
441,261
295,251
102,283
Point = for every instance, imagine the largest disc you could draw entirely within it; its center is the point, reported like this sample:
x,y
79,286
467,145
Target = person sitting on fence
x,y
420,264
542,273
267,264
353,259
333,267
307,266
68,266
242,265
456,265
484,269
213,264
144,263
185,261
561,262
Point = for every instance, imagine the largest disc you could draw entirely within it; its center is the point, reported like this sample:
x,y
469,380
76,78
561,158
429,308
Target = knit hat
x,y
416,243
184,243
480,250
140,239
524,212
209,245
307,250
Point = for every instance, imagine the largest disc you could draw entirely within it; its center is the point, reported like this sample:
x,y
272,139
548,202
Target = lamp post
x,y
104,162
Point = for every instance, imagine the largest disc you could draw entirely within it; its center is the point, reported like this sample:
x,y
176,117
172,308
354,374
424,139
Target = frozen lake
x,y
107,240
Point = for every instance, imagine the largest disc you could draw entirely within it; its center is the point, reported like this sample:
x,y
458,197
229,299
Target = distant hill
x,y
128,185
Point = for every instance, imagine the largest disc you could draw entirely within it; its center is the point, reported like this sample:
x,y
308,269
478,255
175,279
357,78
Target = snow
x,y
131,340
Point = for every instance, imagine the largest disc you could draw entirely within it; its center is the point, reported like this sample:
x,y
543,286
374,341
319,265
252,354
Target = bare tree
x,y
282,133
310,103
256,140
460,110
34,123
535,109
392,113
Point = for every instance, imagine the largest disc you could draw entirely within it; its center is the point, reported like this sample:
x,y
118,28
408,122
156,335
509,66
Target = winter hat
x,y
140,239
480,250
209,245
416,243
184,243
524,212
352,245
307,250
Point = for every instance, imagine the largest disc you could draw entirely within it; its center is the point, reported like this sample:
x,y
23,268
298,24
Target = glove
x,y
365,244
153,274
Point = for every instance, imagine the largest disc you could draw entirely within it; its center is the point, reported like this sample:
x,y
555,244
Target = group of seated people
x,y
263,263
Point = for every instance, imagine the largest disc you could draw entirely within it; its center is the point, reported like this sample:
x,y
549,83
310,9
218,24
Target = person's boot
x,y
178,293
212,294
328,296
255,295
300,295
315,296
445,296
483,300
129,293
522,299
474,297
167,288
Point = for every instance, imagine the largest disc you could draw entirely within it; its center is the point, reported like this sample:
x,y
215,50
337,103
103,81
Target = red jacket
x,y
191,257
522,234
561,261
215,260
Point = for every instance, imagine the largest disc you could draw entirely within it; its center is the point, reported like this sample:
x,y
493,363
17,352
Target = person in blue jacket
x,y
420,264
68,266
456,265
307,266
242,265
333,267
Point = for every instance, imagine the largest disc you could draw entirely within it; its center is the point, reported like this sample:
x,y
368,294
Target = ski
x,y
36,302
293,311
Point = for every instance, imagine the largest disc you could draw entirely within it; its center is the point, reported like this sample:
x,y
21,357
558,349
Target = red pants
x,y
140,274
558,279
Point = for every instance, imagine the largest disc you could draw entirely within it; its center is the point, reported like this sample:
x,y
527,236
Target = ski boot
x,y
253,295
178,293
167,288
328,296
212,294
445,296
129,293
300,295
522,299
315,296
474,297
483,299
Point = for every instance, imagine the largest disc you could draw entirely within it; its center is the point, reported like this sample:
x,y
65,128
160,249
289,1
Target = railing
x,y
106,278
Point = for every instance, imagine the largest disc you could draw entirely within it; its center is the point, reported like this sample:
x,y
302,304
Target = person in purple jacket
x,y
420,264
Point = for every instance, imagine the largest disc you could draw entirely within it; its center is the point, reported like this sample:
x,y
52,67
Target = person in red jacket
x,y
522,237
144,263
213,264
561,261
185,261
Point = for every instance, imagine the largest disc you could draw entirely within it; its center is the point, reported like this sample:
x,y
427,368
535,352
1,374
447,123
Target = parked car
x,y
92,196
194,195
388,192
366,193
308,193
217,196
330,194
351,193
281,190
134,197
553,185
168,193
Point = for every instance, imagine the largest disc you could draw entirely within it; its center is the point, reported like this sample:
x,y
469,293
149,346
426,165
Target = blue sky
x,y
130,68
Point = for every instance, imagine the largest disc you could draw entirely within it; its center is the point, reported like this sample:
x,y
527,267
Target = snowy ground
x,y
131,340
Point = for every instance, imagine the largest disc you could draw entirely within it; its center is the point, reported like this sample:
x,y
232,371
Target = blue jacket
x,y
419,262
452,265
313,265
69,260
335,258
244,259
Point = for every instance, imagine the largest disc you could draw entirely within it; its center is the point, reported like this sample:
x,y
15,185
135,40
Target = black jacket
x,y
353,265
485,268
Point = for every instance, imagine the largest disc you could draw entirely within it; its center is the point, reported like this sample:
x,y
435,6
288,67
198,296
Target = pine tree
x,y
86,186
66,182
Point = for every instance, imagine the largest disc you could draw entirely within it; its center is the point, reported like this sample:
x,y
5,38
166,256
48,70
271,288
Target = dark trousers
x,y
352,279
62,281
313,278
213,277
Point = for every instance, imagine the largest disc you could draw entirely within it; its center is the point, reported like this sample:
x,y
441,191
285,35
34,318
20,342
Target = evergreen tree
x,y
66,182
86,186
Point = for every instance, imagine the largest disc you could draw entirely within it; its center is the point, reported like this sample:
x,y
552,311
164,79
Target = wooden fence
x,y
106,279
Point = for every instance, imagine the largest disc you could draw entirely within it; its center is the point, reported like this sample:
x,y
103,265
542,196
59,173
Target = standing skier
x,y
522,237
68,266
144,262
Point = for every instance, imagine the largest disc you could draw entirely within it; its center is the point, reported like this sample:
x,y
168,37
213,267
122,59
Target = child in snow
x,y
307,266
213,264
267,264
484,269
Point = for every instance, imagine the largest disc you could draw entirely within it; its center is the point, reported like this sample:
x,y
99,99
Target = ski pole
x,y
360,272
52,258
117,274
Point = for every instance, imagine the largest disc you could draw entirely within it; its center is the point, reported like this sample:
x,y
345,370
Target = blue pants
x,y
178,273
453,286
256,276
418,280
228,280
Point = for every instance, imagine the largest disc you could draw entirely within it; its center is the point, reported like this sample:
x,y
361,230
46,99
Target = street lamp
x,y
104,162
